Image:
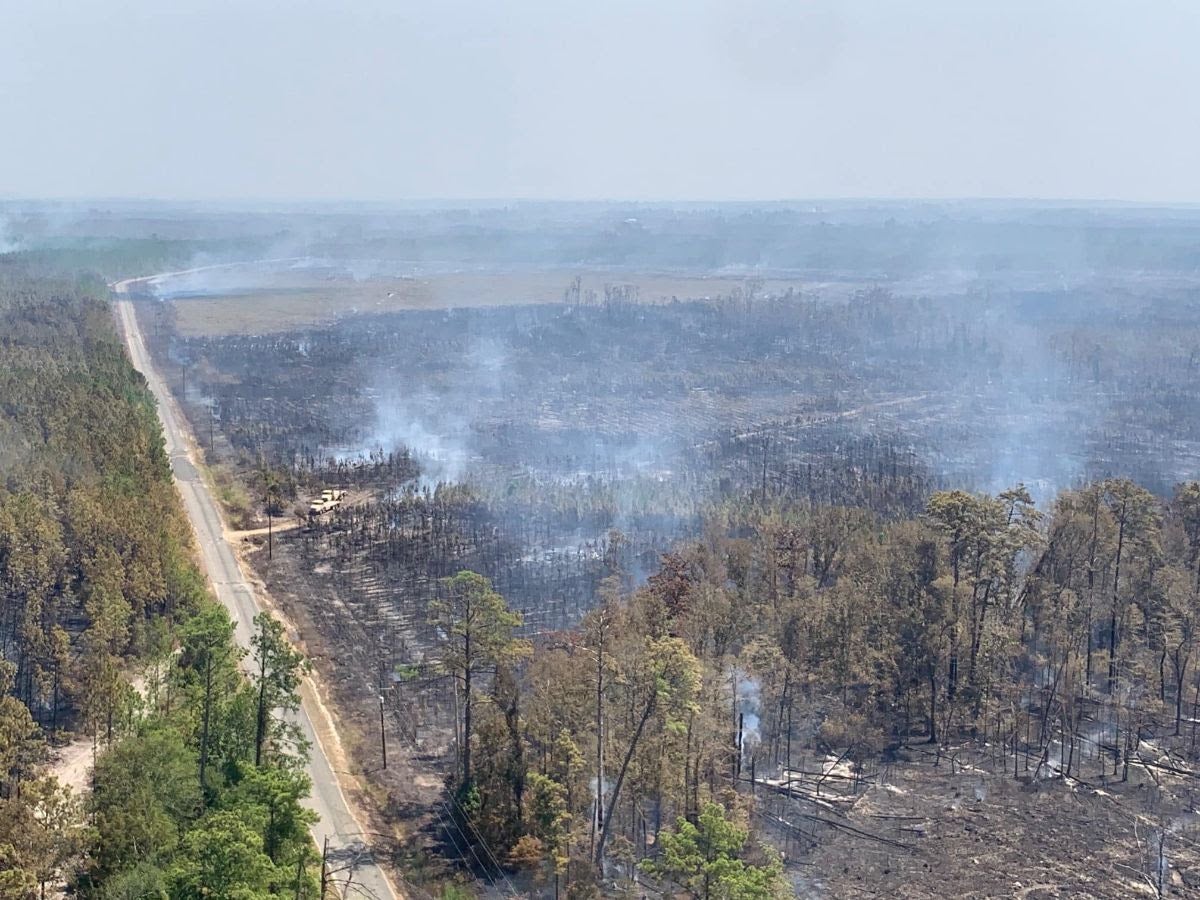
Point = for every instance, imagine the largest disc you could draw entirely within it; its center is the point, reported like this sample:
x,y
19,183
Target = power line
x,y
463,814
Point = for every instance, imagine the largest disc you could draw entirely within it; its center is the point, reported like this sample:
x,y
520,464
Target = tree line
x,y
1064,636
107,633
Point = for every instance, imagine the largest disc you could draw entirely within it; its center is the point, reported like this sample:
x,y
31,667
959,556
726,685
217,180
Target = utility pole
x,y
300,871
382,732
737,757
766,446
324,867
269,488
598,817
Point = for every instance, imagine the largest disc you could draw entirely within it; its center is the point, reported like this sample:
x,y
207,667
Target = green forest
x,y
108,637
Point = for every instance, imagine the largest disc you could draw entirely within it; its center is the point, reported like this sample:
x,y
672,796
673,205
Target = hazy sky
x,y
657,99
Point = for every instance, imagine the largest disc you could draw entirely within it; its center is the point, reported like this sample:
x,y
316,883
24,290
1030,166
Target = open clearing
x,y
318,300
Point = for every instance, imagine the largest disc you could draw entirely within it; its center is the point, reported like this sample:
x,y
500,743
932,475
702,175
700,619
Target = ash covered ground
x,y
1044,387
553,443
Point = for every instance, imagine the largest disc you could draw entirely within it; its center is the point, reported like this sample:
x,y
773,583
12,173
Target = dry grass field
x,y
306,302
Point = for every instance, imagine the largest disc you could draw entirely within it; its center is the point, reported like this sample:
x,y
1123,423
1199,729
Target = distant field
x,y
319,302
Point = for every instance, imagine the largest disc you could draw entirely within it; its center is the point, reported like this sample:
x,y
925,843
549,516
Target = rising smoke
x,y
749,699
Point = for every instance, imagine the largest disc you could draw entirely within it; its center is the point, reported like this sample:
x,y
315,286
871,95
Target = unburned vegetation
x,y
187,780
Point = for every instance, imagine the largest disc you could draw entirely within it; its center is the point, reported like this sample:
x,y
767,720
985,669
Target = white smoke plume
x,y
9,243
749,703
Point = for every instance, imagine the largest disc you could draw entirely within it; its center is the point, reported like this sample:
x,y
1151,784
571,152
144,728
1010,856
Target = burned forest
x,y
671,450
891,581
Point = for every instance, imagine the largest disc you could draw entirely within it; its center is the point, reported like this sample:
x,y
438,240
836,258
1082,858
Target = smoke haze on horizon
x,y
703,99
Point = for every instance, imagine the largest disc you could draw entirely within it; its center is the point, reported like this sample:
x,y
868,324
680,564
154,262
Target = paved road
x,y
349,859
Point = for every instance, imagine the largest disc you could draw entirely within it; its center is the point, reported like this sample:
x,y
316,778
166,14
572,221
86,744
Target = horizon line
x,y
450,202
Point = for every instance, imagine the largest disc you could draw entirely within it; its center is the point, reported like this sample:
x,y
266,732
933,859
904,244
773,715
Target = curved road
x,y
350,866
